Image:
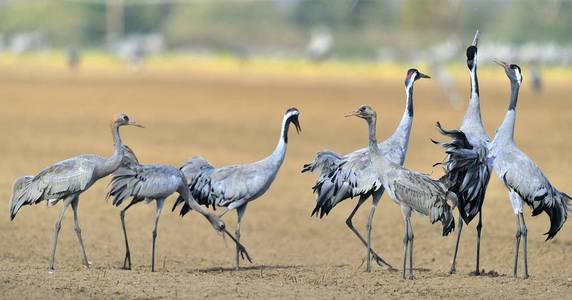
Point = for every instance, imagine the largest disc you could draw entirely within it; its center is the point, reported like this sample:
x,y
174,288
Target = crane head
x,y
123,120
413,75
291,115
364,112
513,71
471,57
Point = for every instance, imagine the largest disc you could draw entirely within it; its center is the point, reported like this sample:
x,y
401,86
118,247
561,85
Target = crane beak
x,y
421,75
476,39
297,125
352,114
500,63
133,123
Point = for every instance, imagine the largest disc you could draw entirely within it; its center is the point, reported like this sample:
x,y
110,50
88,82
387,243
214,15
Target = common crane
x,y
233,187
468,164
411,190
65,181
352,176
524,180
153,182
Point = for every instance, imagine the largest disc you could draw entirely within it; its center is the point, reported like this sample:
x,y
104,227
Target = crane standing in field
x,y
153,182
523,178
233,187
411,190
468,164
65,181
352,176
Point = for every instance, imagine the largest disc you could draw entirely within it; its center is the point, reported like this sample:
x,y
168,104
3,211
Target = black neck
x,y
514,89
285,128
409,104
476,79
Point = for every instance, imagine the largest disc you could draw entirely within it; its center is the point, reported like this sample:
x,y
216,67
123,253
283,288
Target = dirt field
x,y
48,117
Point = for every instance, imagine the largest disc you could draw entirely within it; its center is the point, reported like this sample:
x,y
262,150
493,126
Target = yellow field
x,y
231,116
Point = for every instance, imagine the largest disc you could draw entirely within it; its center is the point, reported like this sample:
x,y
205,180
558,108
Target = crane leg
x,y
75,204
127,260
453,269
51,268
380,261
160,203
375,200
405,242
524,245
239,212
406,212
410,237
518,235
479,227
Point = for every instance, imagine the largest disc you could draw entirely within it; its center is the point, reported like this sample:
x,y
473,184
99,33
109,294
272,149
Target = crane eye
x,y
125,118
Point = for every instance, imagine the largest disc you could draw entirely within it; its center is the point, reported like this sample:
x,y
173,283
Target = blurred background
x,y
361,30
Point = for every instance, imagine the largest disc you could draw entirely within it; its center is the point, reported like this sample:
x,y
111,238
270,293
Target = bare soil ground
x,y
45,118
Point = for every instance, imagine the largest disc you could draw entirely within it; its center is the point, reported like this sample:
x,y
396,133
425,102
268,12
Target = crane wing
x,y
352,177
62,179
468,170
145,182
425,195
521,175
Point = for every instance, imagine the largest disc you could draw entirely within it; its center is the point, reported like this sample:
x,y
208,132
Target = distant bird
x,y
320,45
352,176
537,82
148,183
468,164
233,187
523,178
73,57
411,190
66,180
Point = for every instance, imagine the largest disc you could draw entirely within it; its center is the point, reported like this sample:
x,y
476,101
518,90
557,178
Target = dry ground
x,y
227,119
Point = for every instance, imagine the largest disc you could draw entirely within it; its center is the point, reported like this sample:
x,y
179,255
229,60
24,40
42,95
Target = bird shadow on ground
x,y
248,268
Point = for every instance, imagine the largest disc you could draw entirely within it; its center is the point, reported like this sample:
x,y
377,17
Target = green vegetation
x,y
360,28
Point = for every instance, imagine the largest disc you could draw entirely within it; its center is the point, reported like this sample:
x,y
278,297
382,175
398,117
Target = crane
x,y
411,190
468,163
525,182
354,177
65,181
233,187
153,182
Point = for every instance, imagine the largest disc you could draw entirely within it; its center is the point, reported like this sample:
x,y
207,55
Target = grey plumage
x,y
468,164
353,175
409,189
152,182
523,178
233,187
65,181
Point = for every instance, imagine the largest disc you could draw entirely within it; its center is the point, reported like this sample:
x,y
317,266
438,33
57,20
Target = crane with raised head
x,y
525,182
468,163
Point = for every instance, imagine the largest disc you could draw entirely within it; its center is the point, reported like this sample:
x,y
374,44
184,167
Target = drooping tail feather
x,y
124,184
325,162
448,221
18,195
467,171
558,212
